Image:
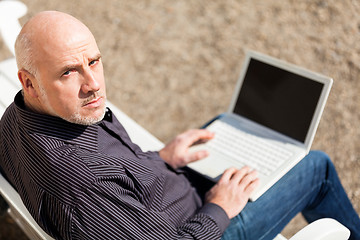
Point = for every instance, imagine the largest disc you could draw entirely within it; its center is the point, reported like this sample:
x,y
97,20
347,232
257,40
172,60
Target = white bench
x,y
10,12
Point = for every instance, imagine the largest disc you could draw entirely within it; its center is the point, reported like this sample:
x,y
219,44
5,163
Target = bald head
x,y
42,34
60,68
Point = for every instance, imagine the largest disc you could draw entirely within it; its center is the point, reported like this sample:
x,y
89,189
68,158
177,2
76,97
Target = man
x,y
81,177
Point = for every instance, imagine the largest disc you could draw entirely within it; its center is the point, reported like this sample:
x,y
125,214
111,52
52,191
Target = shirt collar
x,y
84,136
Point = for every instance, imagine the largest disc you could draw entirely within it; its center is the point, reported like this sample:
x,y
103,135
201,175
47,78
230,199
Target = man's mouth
x,y
94,103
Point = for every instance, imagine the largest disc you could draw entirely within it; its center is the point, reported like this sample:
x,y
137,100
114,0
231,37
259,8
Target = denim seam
x,y
298,202
338,202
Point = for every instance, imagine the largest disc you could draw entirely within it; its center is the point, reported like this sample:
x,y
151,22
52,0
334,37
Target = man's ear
x,y
27,81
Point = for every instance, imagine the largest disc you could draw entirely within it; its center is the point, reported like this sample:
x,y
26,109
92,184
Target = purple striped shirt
x,y
92,182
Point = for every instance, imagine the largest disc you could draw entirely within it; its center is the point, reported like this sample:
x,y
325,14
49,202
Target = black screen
x,y
278,99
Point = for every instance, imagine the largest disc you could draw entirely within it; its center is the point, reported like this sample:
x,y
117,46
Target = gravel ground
x,y
172,65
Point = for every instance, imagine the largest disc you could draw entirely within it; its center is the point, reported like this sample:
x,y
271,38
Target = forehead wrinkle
x,y
54,32
70,55
73,44
76,57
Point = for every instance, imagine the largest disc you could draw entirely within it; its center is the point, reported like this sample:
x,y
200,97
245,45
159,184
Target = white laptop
x,y
271,122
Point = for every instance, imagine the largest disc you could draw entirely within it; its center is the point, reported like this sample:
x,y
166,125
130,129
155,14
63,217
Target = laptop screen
x,y
278,99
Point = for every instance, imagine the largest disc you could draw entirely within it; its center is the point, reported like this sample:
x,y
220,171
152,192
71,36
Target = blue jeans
x,y
311,187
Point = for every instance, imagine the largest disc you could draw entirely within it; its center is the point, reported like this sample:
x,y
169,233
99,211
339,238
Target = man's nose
x,y
90,83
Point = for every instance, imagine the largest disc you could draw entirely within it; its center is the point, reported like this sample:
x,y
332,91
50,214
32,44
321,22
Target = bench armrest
x,y
323,229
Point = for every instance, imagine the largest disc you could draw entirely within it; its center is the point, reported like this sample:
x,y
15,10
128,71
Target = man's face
x,y
70,79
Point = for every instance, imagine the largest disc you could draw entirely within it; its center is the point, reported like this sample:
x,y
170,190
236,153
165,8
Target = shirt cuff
x,y
217,213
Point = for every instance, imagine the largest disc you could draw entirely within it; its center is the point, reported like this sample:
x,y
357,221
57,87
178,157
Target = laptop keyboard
x,y
245,149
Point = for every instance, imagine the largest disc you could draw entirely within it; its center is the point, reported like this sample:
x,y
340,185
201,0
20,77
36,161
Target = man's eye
x,y
68,72
92,62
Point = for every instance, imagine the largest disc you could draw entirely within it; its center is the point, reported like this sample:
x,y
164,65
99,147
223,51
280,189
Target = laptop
x,y
270,124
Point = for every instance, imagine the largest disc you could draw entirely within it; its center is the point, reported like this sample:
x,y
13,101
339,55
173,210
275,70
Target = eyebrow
x,y
74,66
97,57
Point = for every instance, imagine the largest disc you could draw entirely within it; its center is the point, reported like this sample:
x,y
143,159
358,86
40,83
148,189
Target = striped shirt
x,y
92,182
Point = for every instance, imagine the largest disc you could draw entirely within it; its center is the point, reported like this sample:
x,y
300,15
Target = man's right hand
x,y
233,190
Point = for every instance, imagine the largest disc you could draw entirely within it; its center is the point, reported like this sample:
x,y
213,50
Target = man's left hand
x,y
176,153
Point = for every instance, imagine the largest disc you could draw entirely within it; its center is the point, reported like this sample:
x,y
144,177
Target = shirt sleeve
x,y
115,201
110,217
110,207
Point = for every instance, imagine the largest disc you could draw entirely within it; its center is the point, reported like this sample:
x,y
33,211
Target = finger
x,y
195,135
239,175
251,186
247,179
195,156
227,175
204,139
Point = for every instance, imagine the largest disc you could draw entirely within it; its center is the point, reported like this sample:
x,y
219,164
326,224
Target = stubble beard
x,y
76,117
